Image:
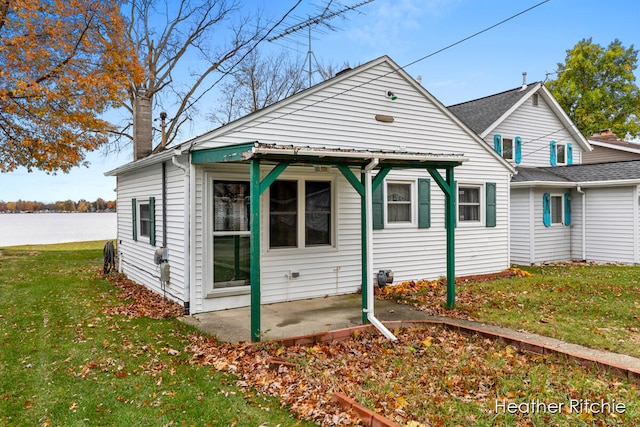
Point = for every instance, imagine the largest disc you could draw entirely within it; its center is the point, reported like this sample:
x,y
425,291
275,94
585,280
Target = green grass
x,y
597,306
64,362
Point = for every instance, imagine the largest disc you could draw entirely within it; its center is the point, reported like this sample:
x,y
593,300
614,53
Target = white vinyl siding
x,y
537,126
520,226
611,224
138,256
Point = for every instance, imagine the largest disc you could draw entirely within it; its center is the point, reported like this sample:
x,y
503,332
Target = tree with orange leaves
x,y
63,64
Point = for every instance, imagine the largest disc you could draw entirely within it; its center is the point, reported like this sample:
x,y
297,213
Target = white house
x,y
561,209
296,200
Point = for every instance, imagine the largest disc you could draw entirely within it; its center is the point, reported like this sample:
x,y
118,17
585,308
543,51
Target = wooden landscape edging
x,y
372,419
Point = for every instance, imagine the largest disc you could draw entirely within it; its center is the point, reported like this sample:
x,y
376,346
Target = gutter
x,y
584,222
369,251
187,230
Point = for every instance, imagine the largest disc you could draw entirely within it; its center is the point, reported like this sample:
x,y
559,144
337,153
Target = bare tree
x,y
185,47
259,81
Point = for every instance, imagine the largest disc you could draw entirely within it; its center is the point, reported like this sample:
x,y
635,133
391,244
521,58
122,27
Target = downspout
x,y
369,251
187,228
583,196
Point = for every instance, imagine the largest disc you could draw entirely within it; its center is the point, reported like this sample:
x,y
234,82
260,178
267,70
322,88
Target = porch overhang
x,y
282,156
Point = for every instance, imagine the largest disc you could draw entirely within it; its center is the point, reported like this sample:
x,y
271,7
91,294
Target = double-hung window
x,y
507,148
556,210
399,202
300,213
143,219
469,207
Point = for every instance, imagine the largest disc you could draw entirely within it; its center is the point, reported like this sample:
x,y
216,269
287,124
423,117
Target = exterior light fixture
x,y
391,95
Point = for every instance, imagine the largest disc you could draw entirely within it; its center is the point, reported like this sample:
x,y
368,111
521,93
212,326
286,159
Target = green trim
x,y
229,153
380,176
152,221
254,260
450,198
351,177
490,199
134,218
424,203
272,176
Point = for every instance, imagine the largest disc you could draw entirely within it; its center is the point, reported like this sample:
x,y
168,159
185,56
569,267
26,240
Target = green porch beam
x,y
448,187
254,247
380,176
223,154
351,177
257,188
272,176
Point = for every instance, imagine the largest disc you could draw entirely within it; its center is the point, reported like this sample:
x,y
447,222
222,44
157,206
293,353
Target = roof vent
x,y
524,80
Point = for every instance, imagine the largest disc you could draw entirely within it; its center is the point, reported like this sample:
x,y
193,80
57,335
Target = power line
x,y
393,70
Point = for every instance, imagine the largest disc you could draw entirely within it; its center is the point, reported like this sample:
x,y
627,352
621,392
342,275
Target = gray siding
x,y
604,154
521,226
612,224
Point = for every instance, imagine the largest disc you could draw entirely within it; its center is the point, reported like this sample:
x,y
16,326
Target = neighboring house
x,y
561,209
607,147
268,208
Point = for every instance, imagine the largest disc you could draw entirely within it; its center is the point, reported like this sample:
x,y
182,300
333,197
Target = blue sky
x,y
406,30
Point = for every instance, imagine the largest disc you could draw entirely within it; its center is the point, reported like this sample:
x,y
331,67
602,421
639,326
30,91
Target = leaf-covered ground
x,y
429,377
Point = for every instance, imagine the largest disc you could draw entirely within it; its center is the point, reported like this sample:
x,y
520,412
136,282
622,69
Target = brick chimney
x,y
142,125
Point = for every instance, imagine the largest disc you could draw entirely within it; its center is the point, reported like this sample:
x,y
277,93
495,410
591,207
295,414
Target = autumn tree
x,y
597,88
64,63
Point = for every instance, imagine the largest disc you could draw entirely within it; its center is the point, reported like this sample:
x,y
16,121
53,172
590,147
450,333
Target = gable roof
x,y
613,142
480,114
586,173
258,117
485,114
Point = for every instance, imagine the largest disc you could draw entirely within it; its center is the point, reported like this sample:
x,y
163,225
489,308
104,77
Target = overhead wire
x,y
373,79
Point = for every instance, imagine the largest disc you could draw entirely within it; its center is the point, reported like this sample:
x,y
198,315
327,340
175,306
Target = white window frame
x,y
143,237
413,206
301,238
551,204
481,204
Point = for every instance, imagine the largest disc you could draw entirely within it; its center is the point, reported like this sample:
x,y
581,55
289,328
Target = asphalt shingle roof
x,y
581,173
480,113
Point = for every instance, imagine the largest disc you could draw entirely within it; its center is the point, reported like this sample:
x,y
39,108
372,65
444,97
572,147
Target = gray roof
x,y
481,113
612,171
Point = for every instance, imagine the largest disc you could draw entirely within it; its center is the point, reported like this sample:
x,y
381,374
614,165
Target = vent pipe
x,y
524,80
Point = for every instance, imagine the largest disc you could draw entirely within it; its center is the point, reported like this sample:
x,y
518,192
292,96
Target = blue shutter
x,y
152,221
134,218
552,153
546,209
490,194
497,143
424,203
377,200
569,153
518,149
567,208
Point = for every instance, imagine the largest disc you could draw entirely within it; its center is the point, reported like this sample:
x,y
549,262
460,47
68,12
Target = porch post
x,y
254,258
450,199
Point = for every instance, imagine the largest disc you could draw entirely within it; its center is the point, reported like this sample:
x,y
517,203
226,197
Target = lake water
x,y
41,228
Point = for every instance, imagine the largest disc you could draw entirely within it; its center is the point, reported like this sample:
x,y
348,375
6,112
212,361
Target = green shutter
x,y
546,209
424,203
378,207
152,221
567,208
497,143
490,195
552,153
134,218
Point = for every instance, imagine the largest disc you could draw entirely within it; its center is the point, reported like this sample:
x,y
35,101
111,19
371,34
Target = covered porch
x,y
372,166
